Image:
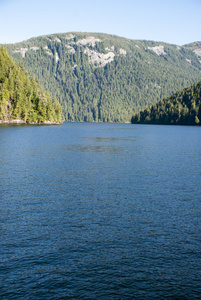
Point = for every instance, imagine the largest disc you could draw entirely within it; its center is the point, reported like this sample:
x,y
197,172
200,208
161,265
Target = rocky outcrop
x,y
159,50
198,53
122,51
89,40
70,49
96,58
99,58
21,122
196,48
22,51
189,61
70,36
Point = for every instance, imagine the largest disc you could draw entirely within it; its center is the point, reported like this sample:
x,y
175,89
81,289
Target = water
x,y
100,211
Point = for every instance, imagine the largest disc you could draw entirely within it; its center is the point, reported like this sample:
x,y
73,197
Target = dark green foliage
x,y
22,98
115,91
182,108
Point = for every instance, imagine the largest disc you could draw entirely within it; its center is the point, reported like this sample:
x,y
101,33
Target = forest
x,y
21,97
182,108
106,78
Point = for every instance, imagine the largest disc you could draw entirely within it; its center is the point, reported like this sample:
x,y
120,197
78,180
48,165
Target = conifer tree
x,y
21,97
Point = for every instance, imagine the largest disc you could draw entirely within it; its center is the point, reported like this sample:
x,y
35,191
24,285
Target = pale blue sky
x,y
172,21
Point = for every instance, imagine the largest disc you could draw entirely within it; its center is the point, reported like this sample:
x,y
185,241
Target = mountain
x,y
101,77
196,48
22,100
182,108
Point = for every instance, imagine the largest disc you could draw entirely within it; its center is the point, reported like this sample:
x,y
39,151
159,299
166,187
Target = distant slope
x,y
196,48
100,77
22,99
182,108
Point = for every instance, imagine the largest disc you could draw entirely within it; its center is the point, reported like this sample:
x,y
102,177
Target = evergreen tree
x,y
182,108
23,98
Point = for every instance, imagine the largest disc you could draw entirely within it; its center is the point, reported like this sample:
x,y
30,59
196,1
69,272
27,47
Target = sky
x,y
171,21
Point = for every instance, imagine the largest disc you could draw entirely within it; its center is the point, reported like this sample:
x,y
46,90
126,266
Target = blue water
x,y
100,211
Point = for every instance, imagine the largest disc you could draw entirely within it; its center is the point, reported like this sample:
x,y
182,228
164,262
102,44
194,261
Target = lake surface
x,y
100,211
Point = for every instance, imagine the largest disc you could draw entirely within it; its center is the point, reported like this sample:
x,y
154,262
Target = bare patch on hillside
x,y
122,51
34,48
57,57
70,49
49,52
22,51
89,40
159,50
70,36
99,59
197,51
57,40
188,60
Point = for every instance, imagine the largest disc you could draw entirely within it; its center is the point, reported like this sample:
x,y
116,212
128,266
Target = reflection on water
x,y
95,148
109,139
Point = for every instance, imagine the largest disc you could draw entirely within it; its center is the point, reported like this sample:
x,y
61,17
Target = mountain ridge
x,y
102,77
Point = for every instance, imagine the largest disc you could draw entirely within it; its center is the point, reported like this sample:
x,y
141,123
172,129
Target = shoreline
x,y
22,122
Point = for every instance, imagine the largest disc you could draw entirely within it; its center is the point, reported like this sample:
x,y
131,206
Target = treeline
x,y
182,108
110,93
23,98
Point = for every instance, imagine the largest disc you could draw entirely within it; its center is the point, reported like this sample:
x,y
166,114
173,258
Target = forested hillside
x,y
99,77
22,98
182,108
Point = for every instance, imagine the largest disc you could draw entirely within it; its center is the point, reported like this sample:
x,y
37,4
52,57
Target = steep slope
x,y
100,77
196,48
22,100
182,108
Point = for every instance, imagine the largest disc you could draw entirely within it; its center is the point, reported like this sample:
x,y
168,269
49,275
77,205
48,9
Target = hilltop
x,y
101,77
182,108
